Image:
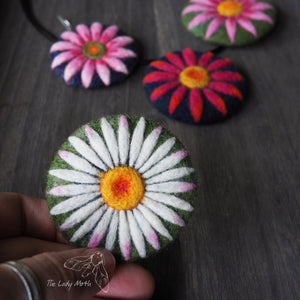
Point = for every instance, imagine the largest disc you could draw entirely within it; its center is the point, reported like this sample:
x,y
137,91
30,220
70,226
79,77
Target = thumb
x,y
72,274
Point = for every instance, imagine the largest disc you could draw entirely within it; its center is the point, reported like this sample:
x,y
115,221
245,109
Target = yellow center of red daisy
x,y
122,188
94,50
230,8
194,77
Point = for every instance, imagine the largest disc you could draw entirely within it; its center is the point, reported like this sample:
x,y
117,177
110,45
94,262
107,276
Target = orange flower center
x,y
194,77
230,8
122,188
93,49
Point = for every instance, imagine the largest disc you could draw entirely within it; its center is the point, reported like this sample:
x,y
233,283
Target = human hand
x,y
28,235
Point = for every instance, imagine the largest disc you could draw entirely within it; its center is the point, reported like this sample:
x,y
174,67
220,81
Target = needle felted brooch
x,y
123,183
229,22
194,87
93,56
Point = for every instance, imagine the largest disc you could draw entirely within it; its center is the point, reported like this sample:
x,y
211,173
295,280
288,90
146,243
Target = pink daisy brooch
x,y
123,183
229,22
93,56
194,87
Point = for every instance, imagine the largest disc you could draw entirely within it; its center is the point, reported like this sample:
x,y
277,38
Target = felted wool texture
x,y
72,62
254,22
221,95
98,147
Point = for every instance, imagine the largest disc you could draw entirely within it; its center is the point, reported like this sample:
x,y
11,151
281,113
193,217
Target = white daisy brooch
x,y
123,183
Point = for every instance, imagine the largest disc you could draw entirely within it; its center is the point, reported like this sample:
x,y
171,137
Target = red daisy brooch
x,y
194,87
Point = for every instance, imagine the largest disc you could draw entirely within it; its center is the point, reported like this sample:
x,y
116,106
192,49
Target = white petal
x,y
74,202
80,215
164,212
136,234
123,139
147,230
136,141
124,235
154,220
170,187
86,151
73,189
148,146
98,145
112,231
170,175
158,154
170,200
89,224
167,163
74,176
110,139
101,229
77,162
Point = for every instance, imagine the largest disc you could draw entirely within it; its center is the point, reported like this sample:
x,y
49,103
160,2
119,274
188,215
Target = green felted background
x,y
59,163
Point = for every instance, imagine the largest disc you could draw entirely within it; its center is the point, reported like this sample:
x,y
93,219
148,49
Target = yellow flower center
x,y
122,188
230,8
194,77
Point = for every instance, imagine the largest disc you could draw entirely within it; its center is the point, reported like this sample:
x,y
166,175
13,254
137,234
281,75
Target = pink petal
x,y
196,8
206,2
219,64
95,240
119,41
175,60
257,15
230,25
189,56
116,64
226,88
63,46
164,66
73,67
64,57
258,6
96,29
186,186
215,100
103,72
177,98
196,104
108,34
202,18
227,76
214,26
247,25
72,37
84,32
87,73
160,77
121,53
154,239
206,59
162,90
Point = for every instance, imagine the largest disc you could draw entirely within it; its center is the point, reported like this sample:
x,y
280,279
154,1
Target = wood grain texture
x,y
243,241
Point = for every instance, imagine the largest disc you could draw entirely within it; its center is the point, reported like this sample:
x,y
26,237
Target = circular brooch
x,y
194,87
122,183
93,56
229,22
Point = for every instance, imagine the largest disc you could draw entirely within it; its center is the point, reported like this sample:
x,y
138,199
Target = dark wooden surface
x,y
243,241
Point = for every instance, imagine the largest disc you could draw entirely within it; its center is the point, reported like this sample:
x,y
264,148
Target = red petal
x,y
162,90
190,57
226,88
177,98
206,59
160,77
196,104
219,64
164,66
215,100
227,76
175,60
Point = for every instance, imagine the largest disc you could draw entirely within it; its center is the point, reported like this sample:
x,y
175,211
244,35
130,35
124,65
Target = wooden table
x,y
243,240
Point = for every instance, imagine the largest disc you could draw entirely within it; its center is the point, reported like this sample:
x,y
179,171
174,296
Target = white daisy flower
x,y
120,186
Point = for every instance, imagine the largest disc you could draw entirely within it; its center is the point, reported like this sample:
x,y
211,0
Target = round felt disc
x,y
229,22
194,87
123,183
93,56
